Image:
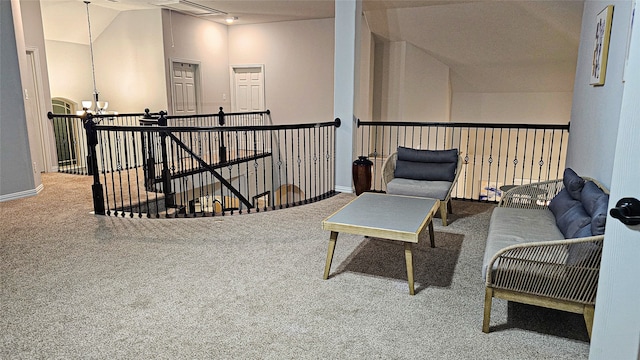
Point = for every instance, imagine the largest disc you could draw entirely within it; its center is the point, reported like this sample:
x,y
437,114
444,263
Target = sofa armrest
x,y
531,196
549,269
455,179
388,168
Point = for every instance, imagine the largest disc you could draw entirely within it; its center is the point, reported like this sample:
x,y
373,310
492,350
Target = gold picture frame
x,y
601,46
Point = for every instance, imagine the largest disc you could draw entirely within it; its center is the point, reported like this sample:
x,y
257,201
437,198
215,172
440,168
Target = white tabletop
x,y
391,216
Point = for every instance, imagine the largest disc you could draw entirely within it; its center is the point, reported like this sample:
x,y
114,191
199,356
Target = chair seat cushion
x,y
511,226
430,189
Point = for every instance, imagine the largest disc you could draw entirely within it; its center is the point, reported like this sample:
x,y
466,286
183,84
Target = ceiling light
x,y
231,19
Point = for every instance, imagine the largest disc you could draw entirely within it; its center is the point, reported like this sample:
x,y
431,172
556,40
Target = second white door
x,y
184,84
247,88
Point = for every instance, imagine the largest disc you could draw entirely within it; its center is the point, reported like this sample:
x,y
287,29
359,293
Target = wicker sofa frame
x,y
388,169
537,273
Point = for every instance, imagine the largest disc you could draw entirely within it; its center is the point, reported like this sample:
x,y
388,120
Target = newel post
x,y
169,196
92,164
222,153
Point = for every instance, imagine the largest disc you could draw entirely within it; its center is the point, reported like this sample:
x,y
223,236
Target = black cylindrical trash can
x,y
361,170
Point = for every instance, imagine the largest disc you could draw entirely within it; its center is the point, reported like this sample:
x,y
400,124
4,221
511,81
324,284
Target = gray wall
x,y
16,174
595,111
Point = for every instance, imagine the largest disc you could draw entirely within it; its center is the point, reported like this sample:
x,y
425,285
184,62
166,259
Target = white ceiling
x,y
490,46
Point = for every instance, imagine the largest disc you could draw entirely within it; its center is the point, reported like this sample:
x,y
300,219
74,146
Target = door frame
x,y
197,82
616,325
44,142
232,82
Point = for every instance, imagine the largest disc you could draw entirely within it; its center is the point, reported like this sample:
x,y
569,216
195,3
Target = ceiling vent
x,y
188,7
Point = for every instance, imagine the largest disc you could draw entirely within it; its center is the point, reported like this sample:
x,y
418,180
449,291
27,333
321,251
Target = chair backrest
x,y
389,166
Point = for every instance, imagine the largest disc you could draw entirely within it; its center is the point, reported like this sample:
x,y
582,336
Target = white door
x,y
248,88
184,88
616,328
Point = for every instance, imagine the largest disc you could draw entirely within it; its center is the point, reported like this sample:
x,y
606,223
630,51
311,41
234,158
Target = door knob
x,y
627,210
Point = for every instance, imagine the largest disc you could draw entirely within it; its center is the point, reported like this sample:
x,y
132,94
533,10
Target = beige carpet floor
x,y
79,286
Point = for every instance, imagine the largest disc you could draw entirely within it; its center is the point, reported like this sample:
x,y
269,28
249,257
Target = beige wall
x,y
516,108
298,63
413,85
69,71
364,82
130,68
193,40
427,87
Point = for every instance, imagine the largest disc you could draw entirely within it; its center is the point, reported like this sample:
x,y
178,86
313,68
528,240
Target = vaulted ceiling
x,y
490,46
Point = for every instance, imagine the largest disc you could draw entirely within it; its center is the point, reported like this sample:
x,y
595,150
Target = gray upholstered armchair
x,y
423,173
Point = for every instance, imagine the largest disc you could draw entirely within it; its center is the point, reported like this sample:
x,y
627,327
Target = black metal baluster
x,y
325,165
558,168
307,174
506,160
112,173
490,161
265,191
100,135
541,162
551,140
79,141
515,159
136,165
274,191
127,168
299,160
524,152
533,153
316,163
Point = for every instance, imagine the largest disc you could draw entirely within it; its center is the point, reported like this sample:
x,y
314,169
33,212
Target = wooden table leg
x,y
431,235
332,247
408,256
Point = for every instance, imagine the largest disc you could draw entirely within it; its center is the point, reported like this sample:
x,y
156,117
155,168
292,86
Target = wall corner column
x,y
345,84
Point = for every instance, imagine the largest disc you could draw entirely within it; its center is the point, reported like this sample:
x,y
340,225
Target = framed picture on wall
x,y
601,46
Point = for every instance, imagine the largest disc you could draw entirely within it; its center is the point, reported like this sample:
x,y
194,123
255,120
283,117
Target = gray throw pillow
x,y
596,203
428,156
429,171
573,183
573,220
561,203
429,165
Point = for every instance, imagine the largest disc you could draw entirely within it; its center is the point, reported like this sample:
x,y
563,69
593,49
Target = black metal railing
x,y
494,155
252,118
162,170
71,138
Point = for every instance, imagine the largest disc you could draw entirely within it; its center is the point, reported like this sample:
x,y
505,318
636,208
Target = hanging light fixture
x,y
99,107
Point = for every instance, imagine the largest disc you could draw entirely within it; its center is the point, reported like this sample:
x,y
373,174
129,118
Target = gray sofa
x,y
545,244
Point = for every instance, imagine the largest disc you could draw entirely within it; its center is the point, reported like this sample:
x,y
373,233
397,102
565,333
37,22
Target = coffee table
x,y
394,217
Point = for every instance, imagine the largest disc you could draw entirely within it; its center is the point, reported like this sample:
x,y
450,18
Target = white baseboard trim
x,y
21,194
344,189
